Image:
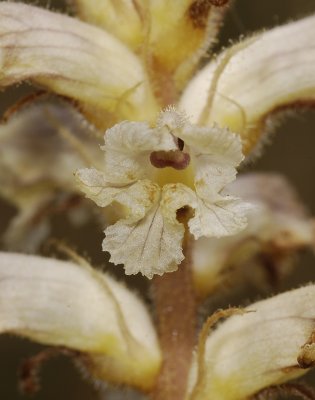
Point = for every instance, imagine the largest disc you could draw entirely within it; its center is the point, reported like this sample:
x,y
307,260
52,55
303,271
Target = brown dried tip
x,y
198,11
306,358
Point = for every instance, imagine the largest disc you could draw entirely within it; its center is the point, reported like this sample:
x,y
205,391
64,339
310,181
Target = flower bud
x,y
254,78
74,306
269,344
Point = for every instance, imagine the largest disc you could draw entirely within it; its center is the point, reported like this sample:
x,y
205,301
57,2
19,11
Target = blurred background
x,y
290,152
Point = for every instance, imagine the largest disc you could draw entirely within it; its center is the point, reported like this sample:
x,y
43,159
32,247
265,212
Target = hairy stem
x,y
176,318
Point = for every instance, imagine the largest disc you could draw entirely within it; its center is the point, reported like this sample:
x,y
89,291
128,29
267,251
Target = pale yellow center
x,y
167,175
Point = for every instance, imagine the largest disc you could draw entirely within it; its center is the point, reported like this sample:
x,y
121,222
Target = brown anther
x,y
175,159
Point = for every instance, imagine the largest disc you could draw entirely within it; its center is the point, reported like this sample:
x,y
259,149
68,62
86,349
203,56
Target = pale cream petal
x,y
216,154
278,226
151,244
214,141
72,58
95,186
127,150
224,217
135,198
262,74
126,164
263,347
127,158
122,18
64,304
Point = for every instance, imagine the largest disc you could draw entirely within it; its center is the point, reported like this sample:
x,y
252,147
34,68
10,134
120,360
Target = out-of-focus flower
x,y
201,162
278,226
42,142
271,343
74,306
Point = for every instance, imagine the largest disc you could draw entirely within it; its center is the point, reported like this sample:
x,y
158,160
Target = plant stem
x,y
175,309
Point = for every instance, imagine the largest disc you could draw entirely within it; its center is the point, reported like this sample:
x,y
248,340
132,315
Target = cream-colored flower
x,y
65,304
271,343
154,172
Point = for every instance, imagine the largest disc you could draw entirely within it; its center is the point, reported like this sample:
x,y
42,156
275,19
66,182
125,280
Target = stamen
x,y
175,159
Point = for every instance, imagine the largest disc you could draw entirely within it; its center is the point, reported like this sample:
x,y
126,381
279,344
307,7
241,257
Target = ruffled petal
x,y
254,78
271,343
134,199
216,153
127,158
214,141
64,304
225,217
127,162
73,59
151,244
127,150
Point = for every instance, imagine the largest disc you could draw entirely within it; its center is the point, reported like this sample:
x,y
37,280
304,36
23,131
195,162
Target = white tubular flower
x,y
64,304
278,226
71,58
152,173
254,78
272,343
